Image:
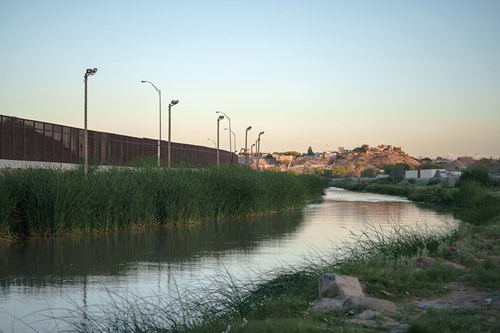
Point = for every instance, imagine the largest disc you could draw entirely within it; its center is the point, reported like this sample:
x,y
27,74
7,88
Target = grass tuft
x,y
51,202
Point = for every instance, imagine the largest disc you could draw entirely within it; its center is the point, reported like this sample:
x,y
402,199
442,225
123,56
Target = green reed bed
x,y
51,202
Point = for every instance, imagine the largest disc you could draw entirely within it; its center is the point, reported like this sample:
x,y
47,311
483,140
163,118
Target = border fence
x,y
30,140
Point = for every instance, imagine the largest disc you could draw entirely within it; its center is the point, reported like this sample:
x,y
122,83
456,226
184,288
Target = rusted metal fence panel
x,y
29,140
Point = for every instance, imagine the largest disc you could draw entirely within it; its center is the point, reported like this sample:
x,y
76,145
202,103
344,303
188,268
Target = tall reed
x,y
51,202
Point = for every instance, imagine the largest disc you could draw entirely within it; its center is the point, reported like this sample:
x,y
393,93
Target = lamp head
x,y
249,128
142,81
90,71
261,133
174,101
220,118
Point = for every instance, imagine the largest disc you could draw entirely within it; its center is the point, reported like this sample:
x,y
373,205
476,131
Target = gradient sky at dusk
x,y
423,75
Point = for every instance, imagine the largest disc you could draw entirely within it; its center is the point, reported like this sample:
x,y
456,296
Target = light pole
x,y
215,143
172,103
258,140
159,103
218,121
234,137
230,146
251,149
256,160
246,146
246,137
88,72
258,149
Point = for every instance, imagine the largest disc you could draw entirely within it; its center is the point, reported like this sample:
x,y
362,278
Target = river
x,y
41,278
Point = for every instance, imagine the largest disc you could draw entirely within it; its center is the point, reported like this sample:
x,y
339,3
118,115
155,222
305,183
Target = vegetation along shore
x,y
51,202
439,282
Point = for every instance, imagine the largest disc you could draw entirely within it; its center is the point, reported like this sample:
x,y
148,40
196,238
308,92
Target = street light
x,y
246,146
258,149
88,72
230,147
251,149
258,140
159,103
246,136
172,103
218,120
234,137
215,143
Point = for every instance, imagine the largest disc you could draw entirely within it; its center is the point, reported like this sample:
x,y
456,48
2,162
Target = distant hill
x,y
366,161
348,162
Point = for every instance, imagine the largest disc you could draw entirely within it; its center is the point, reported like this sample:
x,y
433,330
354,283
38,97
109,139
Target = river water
x,y
41,278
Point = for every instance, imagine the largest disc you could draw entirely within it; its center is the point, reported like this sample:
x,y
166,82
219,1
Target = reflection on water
x,y
41,261
47,273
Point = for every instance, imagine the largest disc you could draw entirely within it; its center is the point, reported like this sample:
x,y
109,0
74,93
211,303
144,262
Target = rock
x,y
380,305
478,261
359,321
454,265
450,252
328,304
424,262
342,286
368,314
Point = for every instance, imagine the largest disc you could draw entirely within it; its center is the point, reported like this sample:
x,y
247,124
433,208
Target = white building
x,y
423,174
451,177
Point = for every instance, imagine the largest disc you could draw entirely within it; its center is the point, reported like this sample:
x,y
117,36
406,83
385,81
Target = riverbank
x,y
38,202
439,282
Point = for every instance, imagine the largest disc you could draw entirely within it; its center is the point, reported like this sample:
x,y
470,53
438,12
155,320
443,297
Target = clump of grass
x,y
401,241
475,174
486,275
7,209
51,202
454,320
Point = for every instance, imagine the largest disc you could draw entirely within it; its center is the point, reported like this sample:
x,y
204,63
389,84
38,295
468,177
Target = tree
x,y
293,153
369,173
475,174
396,170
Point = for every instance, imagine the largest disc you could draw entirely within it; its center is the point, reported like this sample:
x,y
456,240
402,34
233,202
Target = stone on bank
x,y
343,292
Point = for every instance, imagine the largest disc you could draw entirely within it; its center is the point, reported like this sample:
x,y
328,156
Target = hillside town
x,y
368,162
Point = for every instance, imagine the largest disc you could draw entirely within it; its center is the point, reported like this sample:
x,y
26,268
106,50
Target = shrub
x,y
370,173
474,174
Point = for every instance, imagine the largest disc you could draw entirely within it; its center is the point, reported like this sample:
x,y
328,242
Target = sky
x,y
423,74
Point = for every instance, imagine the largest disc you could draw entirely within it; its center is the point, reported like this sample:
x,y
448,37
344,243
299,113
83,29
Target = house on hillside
x,y
285,159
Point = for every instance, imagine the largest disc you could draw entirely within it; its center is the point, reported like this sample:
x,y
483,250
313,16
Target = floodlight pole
x,y
88,72
159,103
258,149
246,137
218,121
172,103
230,145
